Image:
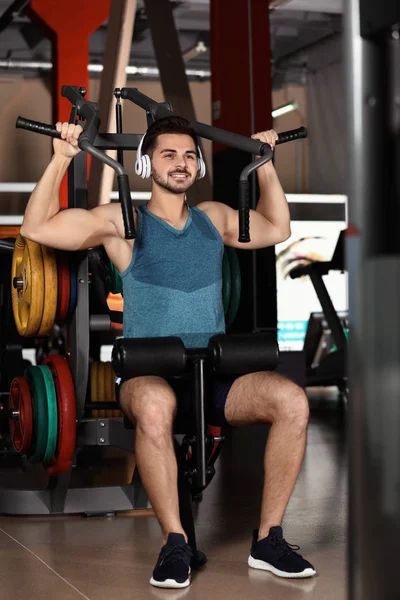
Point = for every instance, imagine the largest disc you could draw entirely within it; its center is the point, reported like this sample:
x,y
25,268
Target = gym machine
x,y
325,343
198,449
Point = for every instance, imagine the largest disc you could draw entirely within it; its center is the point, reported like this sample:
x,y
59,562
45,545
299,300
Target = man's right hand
x,y
68,145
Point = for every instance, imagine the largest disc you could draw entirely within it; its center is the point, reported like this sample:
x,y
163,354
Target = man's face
x,y
174,162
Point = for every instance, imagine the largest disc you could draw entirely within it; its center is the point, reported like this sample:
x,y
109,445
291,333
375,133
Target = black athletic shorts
x,y
217,390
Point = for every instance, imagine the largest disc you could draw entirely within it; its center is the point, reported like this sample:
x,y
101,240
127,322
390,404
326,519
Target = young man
x,y
172,277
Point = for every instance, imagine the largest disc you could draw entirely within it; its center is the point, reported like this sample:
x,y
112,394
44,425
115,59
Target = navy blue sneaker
x,y
173,566
274,554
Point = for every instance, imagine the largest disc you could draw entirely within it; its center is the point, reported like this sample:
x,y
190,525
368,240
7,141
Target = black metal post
x,y
58,488
118,117
79,328
373,260
330,313
186,511
199,407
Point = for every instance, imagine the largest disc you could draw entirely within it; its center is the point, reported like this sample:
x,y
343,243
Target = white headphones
x,y
143,162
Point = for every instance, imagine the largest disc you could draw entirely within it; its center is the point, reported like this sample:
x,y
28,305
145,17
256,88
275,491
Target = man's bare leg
x,y
150,403
270,398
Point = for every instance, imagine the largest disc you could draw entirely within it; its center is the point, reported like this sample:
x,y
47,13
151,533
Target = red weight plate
x,y
63,289
21,427
66,414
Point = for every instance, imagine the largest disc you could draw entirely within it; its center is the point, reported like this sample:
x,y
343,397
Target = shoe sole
x,y
254,563
169,583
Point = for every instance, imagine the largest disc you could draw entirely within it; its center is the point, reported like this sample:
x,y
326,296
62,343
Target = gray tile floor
x,y
70,558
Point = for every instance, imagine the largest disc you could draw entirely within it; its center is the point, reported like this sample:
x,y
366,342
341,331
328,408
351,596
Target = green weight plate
x,y
236,281
113,279
226,282
109,273
52,413
40,416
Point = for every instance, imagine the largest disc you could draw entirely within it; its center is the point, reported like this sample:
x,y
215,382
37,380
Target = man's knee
x,y
284,401
295,407
150,403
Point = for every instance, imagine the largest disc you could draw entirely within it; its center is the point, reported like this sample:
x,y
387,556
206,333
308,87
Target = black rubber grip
x,y
290,136
126,206
263,149
244,211
138,98
37,127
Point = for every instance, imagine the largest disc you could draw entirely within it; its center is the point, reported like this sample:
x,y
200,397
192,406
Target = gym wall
x,y
327,128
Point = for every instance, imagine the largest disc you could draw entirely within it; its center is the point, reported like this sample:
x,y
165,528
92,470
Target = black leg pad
x,y
163,356
238,354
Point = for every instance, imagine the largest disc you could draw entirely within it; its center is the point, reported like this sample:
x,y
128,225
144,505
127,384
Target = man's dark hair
x,y
167,125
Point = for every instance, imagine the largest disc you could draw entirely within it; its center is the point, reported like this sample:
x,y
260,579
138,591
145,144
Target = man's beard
x,y
176,187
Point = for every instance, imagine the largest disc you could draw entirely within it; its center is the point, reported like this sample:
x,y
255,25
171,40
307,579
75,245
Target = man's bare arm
x,y
226,220
269,223
71,229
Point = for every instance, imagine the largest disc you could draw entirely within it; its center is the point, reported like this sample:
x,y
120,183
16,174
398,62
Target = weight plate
x,y
63,291
40,414
236,282
21,424
115,302
109,272
27,274
66,403
101,388
112,277
110,389
50,291
52,413
109,382
226,282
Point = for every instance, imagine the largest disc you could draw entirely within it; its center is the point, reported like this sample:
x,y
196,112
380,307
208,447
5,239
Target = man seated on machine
x,y
172,277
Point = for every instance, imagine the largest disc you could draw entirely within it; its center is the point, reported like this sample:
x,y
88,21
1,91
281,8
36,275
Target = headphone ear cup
x,y
202,168
201,164
146,166
139,167
143,166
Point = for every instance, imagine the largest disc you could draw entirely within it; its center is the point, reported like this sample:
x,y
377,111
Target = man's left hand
x,y
270,137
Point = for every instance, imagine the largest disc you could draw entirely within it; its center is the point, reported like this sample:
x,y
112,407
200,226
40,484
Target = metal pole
x,y
79,328
199,409
373,261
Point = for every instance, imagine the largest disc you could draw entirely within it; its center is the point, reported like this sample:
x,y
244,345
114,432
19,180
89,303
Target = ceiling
x,y
296,27
322,6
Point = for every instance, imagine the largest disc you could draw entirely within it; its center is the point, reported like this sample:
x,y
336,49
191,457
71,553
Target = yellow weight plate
x,y
101,389
110,389
27,274
108,381
93,386
50,291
